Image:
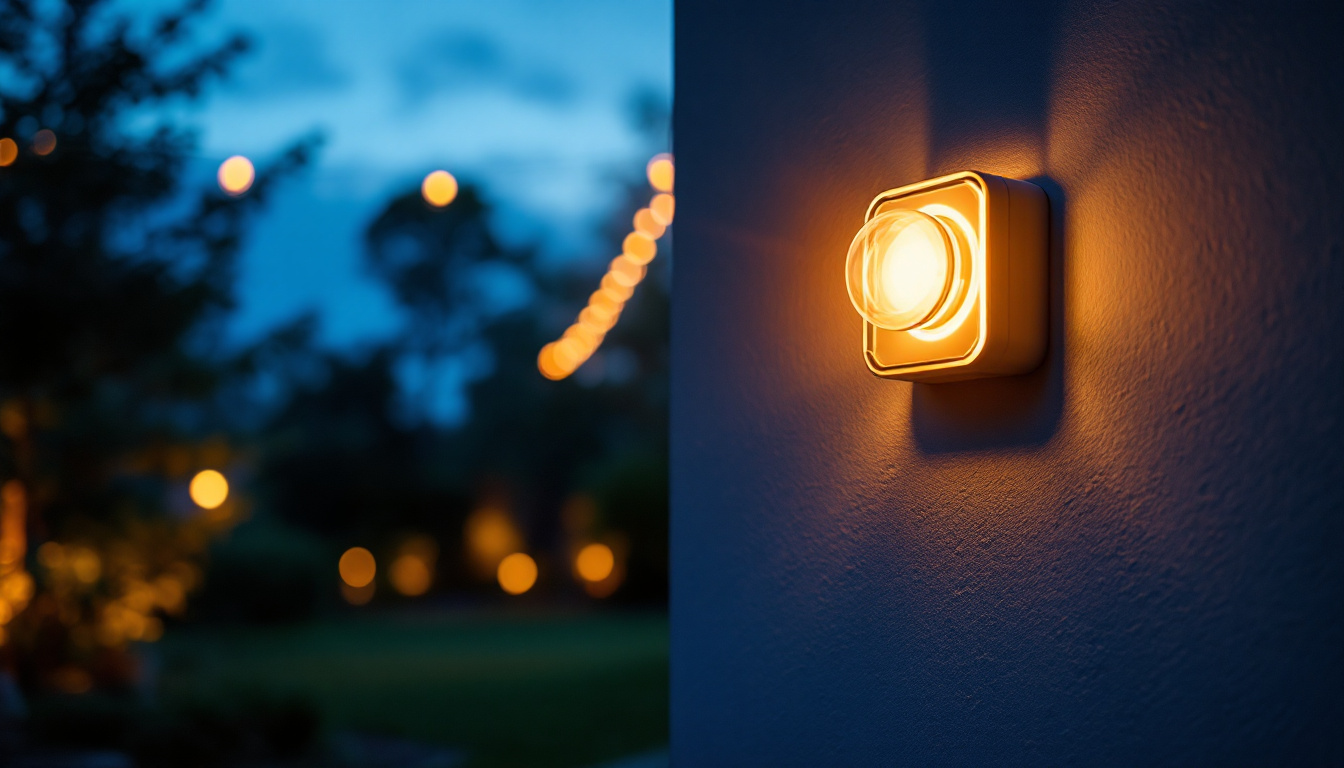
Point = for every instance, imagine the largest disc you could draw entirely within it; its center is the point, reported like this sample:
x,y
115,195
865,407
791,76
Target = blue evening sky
x,y
530,99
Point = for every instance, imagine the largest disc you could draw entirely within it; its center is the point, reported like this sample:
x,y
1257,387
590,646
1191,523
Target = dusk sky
x,y
531,100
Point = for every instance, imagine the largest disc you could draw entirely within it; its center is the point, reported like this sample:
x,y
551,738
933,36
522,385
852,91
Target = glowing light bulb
x,y
900,269
439,188
236,175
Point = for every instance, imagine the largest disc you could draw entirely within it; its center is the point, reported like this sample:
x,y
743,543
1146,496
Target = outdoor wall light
x,y
950,277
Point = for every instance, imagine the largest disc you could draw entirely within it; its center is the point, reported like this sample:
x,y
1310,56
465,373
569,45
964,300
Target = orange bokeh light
x,y
411,575
209,489
639,248
439,188
562,357
661,172
548,366
663,206
357,567
596,320
626,272
595,562
600,298
9,151
489,534
614,287
517,573
648,225
236,175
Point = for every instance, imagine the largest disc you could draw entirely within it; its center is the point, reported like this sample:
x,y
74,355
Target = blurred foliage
x,y
116,279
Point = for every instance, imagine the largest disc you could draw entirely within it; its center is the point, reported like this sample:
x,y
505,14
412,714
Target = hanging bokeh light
x,y
439,188
562,357
209,489
236,175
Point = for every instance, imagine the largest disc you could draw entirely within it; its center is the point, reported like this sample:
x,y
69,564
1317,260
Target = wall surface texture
x,y
1130,557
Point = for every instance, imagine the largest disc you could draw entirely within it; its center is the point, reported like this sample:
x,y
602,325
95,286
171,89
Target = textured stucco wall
x,y
1130,557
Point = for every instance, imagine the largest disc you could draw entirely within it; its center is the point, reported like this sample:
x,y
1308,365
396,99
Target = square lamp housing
x,y
950,276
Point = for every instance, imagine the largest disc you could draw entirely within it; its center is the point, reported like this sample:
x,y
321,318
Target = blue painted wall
x,y
1132,556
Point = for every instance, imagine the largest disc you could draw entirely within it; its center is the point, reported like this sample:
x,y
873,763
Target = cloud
x,y
288,59
460,61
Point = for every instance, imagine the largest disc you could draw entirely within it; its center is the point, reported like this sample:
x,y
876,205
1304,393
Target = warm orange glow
x,y
489,534
547,365
597,320
517,573
660,172
85,564
607,586
604,313
590,337
626,272
236,175
439,188
918,274
570,353
615,289
601,298
44,141
595,562
9,152
663,206
562,357
410,575
357,567
639,248
900,268
209,489
648,225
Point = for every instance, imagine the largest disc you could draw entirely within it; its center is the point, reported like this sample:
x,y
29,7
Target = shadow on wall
x,y
1009,67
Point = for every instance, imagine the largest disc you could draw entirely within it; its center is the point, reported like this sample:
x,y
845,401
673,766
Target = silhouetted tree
x,y
114,276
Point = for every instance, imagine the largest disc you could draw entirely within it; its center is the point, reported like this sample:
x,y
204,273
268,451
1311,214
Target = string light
x,y
236,175
563,356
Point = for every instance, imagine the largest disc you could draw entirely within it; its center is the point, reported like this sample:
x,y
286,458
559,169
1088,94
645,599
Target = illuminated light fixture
x,y
950,277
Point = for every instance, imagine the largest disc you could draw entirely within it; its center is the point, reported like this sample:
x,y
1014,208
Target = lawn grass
x,y
509,690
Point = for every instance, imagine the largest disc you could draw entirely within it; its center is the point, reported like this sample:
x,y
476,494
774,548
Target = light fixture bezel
x,y
1010,299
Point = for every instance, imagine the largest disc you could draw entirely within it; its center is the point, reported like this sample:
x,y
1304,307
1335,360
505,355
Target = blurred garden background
x,y
333,383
